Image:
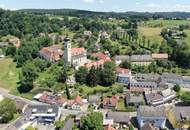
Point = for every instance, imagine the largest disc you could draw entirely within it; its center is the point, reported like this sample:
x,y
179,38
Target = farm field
x,y
9,74
187,39
152,34
167,23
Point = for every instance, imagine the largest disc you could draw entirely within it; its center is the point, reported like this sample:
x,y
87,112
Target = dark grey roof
x,y
182,112
138,58
94,98
147,77
147,111
69,125
171,76
143,84
119,117
122,57
40,109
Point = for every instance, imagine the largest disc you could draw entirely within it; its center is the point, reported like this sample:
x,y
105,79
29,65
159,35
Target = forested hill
x,y
80,13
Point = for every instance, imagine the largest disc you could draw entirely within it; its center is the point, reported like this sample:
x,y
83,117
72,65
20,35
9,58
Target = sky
x,y
100,5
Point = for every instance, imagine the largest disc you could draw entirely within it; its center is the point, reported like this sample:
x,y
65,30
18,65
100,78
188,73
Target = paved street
x,y
5,93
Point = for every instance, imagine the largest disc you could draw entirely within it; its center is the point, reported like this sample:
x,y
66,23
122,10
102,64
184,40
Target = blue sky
x,y
101,5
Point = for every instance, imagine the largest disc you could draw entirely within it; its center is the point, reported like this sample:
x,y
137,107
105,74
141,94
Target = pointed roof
x,y
109,127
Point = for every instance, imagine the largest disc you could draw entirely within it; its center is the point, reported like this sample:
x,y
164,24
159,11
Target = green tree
x,y
185,97
7,111
59,125
92,77
81,75
93,121
126,65
177,88
107,74
10,50
27,77
67,92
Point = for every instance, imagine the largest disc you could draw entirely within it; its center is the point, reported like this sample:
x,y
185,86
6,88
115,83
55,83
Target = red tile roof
x,y
122,71
100,56
110,101
56,52
52,99
109,127
77,51
96,63
137,89
77,100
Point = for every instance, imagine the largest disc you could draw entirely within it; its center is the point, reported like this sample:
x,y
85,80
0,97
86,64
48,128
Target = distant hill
x,y
81,13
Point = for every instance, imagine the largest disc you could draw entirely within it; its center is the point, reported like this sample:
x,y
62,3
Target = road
x,y
6,93
98,40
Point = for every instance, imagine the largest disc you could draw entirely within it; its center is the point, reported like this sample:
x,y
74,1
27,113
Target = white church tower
x,y
67,50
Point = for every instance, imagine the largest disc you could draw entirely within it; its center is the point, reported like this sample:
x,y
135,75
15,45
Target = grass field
x,y
9,74
187,39
153,34
167,23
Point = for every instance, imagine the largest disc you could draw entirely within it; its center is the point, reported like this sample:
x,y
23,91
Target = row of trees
x,y
104,76
178,49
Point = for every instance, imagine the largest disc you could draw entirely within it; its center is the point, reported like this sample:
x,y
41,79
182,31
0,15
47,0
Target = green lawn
x,y
90,90
9,74
122,107
187,39
152,34
167,23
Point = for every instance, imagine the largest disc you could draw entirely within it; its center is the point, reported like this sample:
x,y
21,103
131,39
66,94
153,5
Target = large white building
x,y
74,56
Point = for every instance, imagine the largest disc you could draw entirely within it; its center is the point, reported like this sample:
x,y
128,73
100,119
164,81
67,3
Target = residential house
x,y
153,115
149,126
160,56
15,41
147,77
96,64
143,84
172,78
104,35
75,104
87,33
120,119
110,103
121,58
42,113
179,117
49,98
141,60
134,99
100,56
94,100
162,97
52,54
109,127
123,75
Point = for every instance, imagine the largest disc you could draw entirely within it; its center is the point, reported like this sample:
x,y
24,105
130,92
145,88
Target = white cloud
x,y
88,1
101,1
153,5
181,7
